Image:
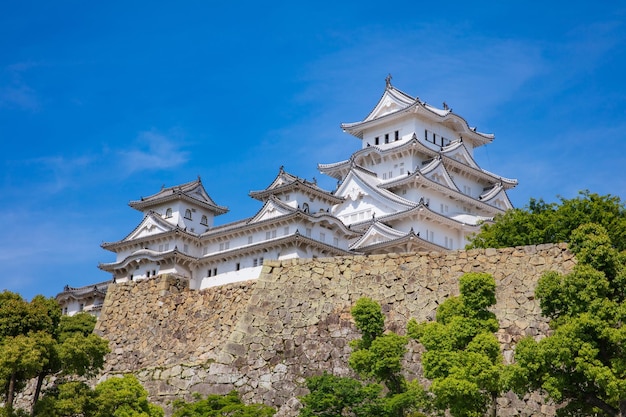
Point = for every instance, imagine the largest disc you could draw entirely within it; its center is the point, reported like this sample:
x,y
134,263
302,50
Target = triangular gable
x,y
458,152
437,172
356,186
377,233
151,224
497,197
199,193
391,101
271,209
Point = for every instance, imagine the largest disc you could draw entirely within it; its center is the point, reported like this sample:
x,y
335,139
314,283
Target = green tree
x,y
123,397
462,356
540,222
220,405
582,364
37,342
332,396
376,358
27,332
67,399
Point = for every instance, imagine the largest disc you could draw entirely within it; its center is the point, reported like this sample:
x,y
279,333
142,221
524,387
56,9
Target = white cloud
x,y
153,151
16,93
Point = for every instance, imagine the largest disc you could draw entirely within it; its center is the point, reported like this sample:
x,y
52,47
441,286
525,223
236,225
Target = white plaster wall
x,y
230,277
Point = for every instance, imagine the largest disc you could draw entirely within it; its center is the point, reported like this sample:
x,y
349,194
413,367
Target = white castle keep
x,y
413,185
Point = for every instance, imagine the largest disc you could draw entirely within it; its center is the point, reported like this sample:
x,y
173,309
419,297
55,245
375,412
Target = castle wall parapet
x,y
264,337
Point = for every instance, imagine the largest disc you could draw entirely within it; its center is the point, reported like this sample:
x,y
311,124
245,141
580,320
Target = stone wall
x,y
264,337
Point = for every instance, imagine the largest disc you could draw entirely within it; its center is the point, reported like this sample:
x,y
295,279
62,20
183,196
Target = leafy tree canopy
x,y
123,397
582,364
377,359
540,222
35,341
221,405
462,356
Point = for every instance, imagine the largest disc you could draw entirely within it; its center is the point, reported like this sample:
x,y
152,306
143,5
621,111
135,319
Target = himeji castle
x,y
412,186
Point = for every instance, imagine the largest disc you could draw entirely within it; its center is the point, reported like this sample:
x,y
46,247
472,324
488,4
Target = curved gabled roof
x,y
394,240
371,184
290,214
131,239
395,103
452,154
423,210
192,192
87,291
146,254
495,193
339,170
292,239
285,182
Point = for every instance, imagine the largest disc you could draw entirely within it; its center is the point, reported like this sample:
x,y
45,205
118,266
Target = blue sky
x,y
103,102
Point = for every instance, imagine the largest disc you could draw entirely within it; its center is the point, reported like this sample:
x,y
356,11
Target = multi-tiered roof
x,y
413,185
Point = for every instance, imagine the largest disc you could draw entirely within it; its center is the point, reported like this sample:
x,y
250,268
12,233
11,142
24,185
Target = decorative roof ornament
x,y
445,106
388,81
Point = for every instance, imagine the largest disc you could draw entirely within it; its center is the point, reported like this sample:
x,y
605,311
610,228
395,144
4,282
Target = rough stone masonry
x,y
264,337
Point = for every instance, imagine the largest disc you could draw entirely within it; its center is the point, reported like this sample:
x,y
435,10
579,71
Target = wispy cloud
x,y
15,92
153,151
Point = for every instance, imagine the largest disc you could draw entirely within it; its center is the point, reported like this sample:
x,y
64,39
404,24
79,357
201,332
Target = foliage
x,y
368,318
123,397
35,341
27,332
67,400
463,357
540,222
582,364
376,356
220,405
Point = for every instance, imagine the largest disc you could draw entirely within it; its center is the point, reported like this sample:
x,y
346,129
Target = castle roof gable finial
x,y
388,81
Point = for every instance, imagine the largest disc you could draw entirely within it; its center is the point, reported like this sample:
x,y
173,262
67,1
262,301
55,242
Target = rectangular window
x,y
268,235
209,272
166,247
81,307
185,248
434,137
376,140
238,266
255,262
384,175
261,260
323,237
222,246
401,171
425,134
214,271
390,174
286,231
386,137
397,135
226,245
308,232
273,233
336,241
249,240
160,248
